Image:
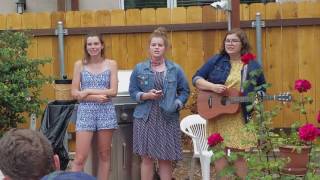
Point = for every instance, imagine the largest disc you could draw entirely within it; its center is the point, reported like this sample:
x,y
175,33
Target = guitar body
x,y
211,105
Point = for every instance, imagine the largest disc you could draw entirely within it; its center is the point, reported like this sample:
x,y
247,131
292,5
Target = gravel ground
x,y
181,169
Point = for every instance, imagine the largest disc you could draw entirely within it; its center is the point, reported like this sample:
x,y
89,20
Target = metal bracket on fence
x,y
64,32
254,23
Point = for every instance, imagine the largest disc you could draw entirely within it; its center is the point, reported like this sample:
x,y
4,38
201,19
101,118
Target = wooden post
x,y
61,4
75,5
235,14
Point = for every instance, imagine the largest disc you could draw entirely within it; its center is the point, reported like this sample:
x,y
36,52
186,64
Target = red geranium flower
x,y
308,132
302,85
247,57
214,139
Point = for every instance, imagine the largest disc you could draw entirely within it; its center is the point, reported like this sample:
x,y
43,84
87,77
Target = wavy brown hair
x,y
243,39
86,54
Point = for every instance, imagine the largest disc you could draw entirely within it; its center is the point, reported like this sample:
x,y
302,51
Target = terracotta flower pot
x,y
298,164
240,165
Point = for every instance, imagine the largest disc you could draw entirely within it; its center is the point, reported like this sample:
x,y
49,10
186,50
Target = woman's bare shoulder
x,y
111,63
78,63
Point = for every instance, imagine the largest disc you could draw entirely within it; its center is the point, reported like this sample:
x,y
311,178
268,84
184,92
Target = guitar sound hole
x,y
224,100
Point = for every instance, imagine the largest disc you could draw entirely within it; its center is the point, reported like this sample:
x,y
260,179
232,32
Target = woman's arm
x,y
183,90
112,91
199,78
75,86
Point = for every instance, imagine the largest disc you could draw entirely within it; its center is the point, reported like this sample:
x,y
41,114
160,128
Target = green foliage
x,y
20,80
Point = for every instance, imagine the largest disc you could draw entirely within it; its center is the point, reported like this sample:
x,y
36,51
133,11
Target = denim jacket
x,y
217,69
175,89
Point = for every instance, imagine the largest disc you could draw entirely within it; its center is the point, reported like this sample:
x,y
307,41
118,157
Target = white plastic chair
x,y
195,127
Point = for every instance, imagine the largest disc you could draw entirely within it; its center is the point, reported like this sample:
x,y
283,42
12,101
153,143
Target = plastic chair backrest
x,y
195,127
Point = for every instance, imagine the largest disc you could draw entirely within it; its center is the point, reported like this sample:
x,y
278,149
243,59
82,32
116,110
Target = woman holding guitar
x,y
226,72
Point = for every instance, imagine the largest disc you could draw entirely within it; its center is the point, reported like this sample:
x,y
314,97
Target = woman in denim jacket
x,y
230,69
160,88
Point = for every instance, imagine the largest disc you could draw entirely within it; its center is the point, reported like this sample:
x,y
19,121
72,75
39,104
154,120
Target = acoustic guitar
x,y
211,105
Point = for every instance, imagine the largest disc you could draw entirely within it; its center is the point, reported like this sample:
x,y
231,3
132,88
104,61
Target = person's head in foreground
x,y
26,154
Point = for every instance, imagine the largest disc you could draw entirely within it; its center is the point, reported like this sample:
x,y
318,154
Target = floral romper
x,y
94,116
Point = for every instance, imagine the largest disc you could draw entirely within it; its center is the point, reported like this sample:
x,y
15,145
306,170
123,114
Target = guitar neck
x,y
241,99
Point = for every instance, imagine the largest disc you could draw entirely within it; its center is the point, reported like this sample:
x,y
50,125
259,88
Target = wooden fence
x,y
289,53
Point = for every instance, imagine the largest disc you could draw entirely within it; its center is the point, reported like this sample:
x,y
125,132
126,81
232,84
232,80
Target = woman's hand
x,y
152,94
98,98
219,88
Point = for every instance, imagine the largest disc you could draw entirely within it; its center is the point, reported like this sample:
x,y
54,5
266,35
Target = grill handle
x,y
124,155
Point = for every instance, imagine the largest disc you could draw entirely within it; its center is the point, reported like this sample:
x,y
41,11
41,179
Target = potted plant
x,y
20,80
298,146
272,157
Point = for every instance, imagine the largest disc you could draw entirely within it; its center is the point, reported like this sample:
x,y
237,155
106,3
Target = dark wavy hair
x,y
25,154
243,39
86,54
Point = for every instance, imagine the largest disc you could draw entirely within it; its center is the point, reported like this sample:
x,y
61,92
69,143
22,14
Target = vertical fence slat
x,y
73,44
307,59
14,21
273,64
88,18
103,18
254,8
289,58
148,17
119,41
316,86
164,16
133,17
3,21
45,44
195,53
179,39
209,37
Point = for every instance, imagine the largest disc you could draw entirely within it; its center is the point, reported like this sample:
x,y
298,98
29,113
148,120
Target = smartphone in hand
x,y
158,92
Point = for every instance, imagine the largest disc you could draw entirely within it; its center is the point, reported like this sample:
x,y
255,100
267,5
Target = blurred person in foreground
x,y
26,154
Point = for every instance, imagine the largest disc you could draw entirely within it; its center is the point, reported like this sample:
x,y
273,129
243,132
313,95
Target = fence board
x,y
73,44
316,86
272,63
3,22
306,47
119,42
164,16
14,21
133,17
148,17
103,18
195,53
88,18
179,39
289,59
208,15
